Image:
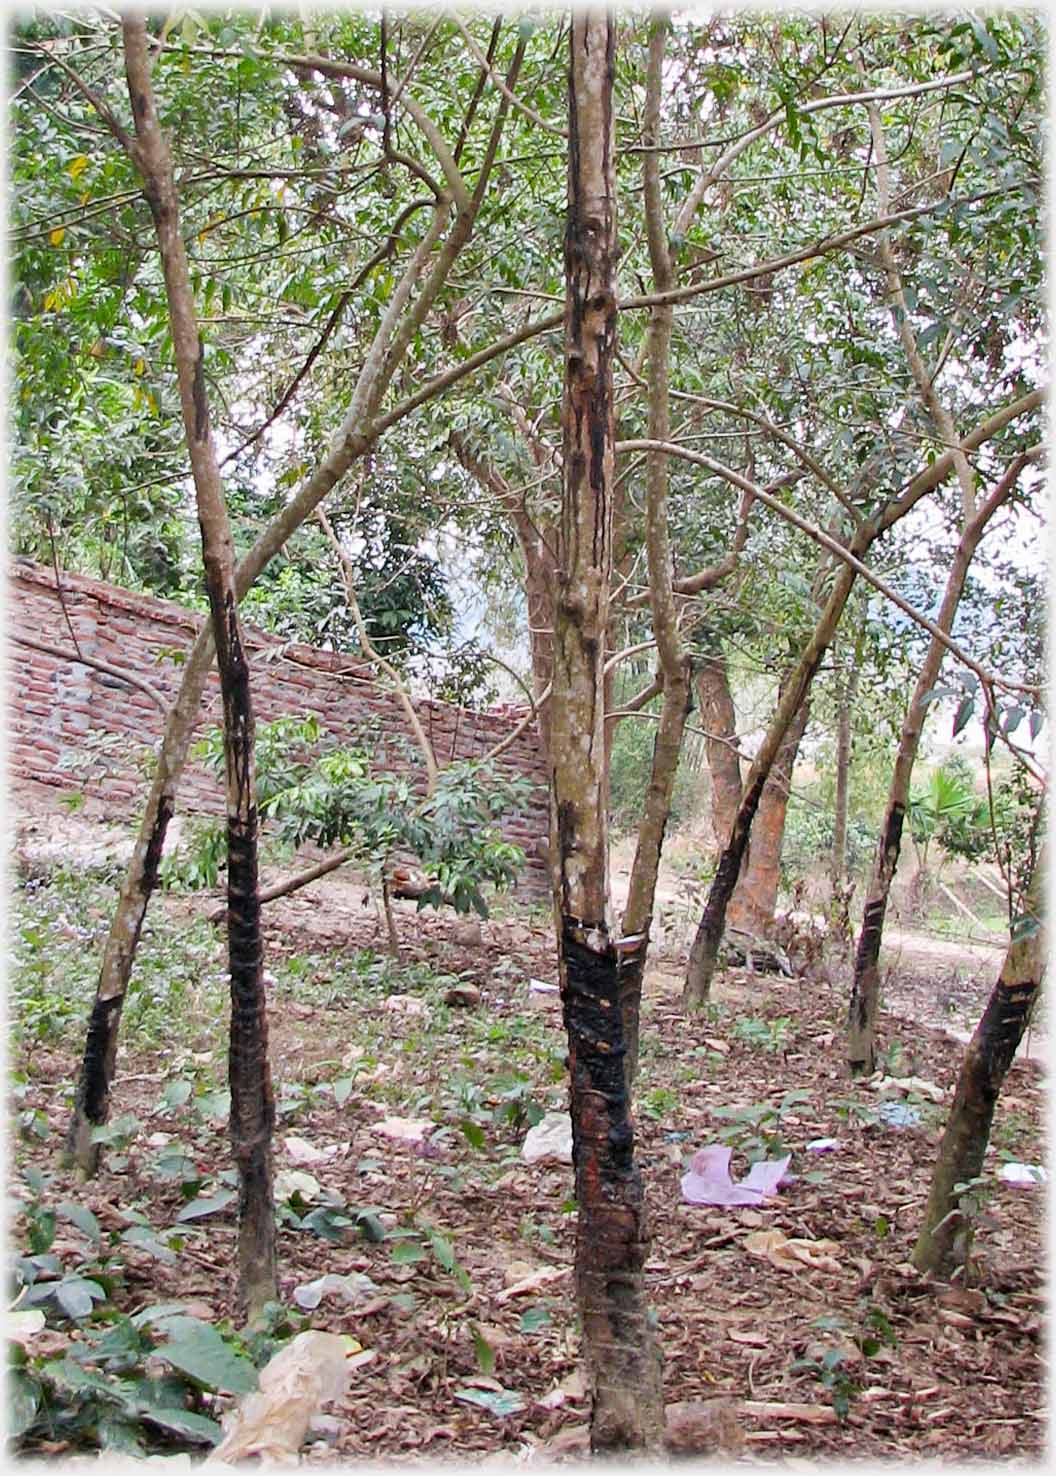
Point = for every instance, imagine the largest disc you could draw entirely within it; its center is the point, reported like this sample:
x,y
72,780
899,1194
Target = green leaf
x,y
534,1319
201,1353
76,1295
473,1133
343,1089
144,1239
483,1349
207,1204
965,708
408,1253
83,1218
176,1093
23,1401
183,1422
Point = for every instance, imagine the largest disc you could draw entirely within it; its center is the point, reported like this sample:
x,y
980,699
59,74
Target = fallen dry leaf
x,y
789,1253
532,1283
403,1129
809,1414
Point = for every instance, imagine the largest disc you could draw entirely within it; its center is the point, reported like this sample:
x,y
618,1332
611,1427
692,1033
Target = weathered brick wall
x,y
62,710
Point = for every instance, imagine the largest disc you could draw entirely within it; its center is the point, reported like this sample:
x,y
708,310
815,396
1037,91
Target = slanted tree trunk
x,y
622,1364
536,545
362,426
252,1103
945,1239
704,953
865,987
754,899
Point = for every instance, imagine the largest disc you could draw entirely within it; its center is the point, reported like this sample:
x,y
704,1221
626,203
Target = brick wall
x,y
62,710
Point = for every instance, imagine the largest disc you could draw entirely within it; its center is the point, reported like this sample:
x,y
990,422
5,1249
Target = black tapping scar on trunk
x,y
595,1028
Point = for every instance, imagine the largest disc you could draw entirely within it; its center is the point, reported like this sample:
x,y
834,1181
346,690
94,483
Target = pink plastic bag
x,y
708,1178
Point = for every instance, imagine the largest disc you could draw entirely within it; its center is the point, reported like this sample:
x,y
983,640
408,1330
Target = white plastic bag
x,y
273,1422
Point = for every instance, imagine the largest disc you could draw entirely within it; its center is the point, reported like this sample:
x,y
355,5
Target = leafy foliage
x,y
337,796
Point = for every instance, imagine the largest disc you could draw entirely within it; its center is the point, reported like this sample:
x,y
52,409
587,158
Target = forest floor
x,y
406,1100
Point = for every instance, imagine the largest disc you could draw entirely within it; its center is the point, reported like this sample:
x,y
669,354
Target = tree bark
x,y
249,1075
719,721
754,898
611,1241
945,1239
362,426
865,987
704,953
674,666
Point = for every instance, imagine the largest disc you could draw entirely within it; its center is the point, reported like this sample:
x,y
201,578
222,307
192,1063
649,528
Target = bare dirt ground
x,y
957,1372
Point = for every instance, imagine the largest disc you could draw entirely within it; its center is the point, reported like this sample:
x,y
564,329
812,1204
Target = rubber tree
x,y
249,1076
674,664
623,1369
704,953
454,211
945,1239
865,987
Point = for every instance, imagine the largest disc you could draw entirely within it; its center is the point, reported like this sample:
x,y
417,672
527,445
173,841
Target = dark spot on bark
x,y
201,403
152,859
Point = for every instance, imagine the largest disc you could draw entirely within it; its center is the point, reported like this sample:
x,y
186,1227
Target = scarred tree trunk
x,y
362,426
945,1239
865,988
252,1104
755,896
611,1241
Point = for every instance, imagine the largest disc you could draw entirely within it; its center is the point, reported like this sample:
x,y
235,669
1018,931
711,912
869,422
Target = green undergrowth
x,y
58,929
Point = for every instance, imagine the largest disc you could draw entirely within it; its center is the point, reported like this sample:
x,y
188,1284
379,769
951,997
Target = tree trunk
x,y
755,896
252,1103
362,426
844,742
945,1238
865,987
622,1363
92,1099
719,721
674,667
704,954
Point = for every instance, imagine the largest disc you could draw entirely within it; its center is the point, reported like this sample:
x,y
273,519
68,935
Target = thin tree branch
x,y
161,702
844,554
369,649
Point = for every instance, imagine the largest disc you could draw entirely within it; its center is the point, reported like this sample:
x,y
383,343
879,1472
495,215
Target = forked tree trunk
x,y
755,896
622,1364
945,1239
249,1075
359,431
865,987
